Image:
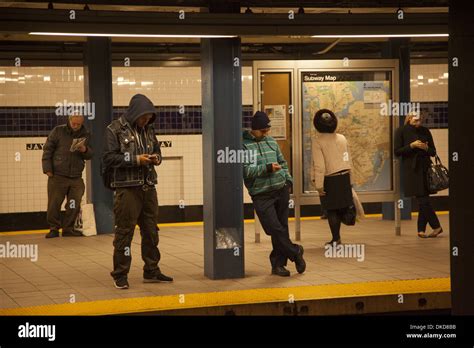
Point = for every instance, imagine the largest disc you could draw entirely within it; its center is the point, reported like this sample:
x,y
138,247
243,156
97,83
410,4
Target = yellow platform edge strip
x,y
236,297
200,223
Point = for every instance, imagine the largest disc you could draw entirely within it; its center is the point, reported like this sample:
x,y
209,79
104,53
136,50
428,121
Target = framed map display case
x,y
357,91
356,98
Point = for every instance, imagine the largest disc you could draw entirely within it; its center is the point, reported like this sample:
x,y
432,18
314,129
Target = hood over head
x,y
139,105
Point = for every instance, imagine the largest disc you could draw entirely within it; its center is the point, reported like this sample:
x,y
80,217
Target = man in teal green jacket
x,y
268,181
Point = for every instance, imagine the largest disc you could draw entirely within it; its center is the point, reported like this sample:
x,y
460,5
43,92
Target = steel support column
x,y
399,49
461,150
222,182
98,90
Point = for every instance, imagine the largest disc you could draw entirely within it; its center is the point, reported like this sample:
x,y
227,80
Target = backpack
x,y
106,174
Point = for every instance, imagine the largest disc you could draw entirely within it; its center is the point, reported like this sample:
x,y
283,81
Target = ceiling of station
x,y
279,46
262,6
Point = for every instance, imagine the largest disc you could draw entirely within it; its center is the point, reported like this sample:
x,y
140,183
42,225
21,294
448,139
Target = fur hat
x,y
325,121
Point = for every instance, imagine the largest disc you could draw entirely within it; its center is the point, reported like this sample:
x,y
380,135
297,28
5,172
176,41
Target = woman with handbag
x,y
414,143
331,172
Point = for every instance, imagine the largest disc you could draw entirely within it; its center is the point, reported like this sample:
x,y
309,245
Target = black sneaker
x,y
121,283
73,233
299,261
280,271
156,277
334,241
52,234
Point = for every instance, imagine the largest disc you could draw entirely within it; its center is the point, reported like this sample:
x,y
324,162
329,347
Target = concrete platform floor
x,y
77,269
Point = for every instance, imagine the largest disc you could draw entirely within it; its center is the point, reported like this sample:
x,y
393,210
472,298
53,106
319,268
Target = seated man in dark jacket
x,y
63,163
130,154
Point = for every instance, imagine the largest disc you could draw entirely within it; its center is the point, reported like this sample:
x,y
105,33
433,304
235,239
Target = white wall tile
x,y
23,185
428,82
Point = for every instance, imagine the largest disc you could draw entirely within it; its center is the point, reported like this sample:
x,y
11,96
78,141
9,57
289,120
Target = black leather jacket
x,y
125,142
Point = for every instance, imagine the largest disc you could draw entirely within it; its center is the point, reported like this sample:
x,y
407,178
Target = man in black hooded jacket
x,y
130,154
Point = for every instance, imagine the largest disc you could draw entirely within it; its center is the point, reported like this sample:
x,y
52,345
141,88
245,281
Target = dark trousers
x,y
132,206
334,221
426,214
272,210
324,211
60,187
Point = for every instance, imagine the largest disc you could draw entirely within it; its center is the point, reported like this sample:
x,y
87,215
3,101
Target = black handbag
x,y
348,216
437,176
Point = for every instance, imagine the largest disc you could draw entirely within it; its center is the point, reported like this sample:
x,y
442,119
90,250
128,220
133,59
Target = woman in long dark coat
x,y
414,143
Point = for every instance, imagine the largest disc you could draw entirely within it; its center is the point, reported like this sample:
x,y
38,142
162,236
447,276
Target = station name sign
x,y
39,146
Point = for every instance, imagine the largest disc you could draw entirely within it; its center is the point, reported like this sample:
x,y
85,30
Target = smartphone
x,y
154,157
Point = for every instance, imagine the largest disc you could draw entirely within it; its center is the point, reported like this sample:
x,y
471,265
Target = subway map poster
x,y
356,98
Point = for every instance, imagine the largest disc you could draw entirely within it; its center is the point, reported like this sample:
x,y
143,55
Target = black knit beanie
x,y
260,121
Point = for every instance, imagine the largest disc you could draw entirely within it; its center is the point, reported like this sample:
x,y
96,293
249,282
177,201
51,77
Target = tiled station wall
x,y
32,92
28,96
429,86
